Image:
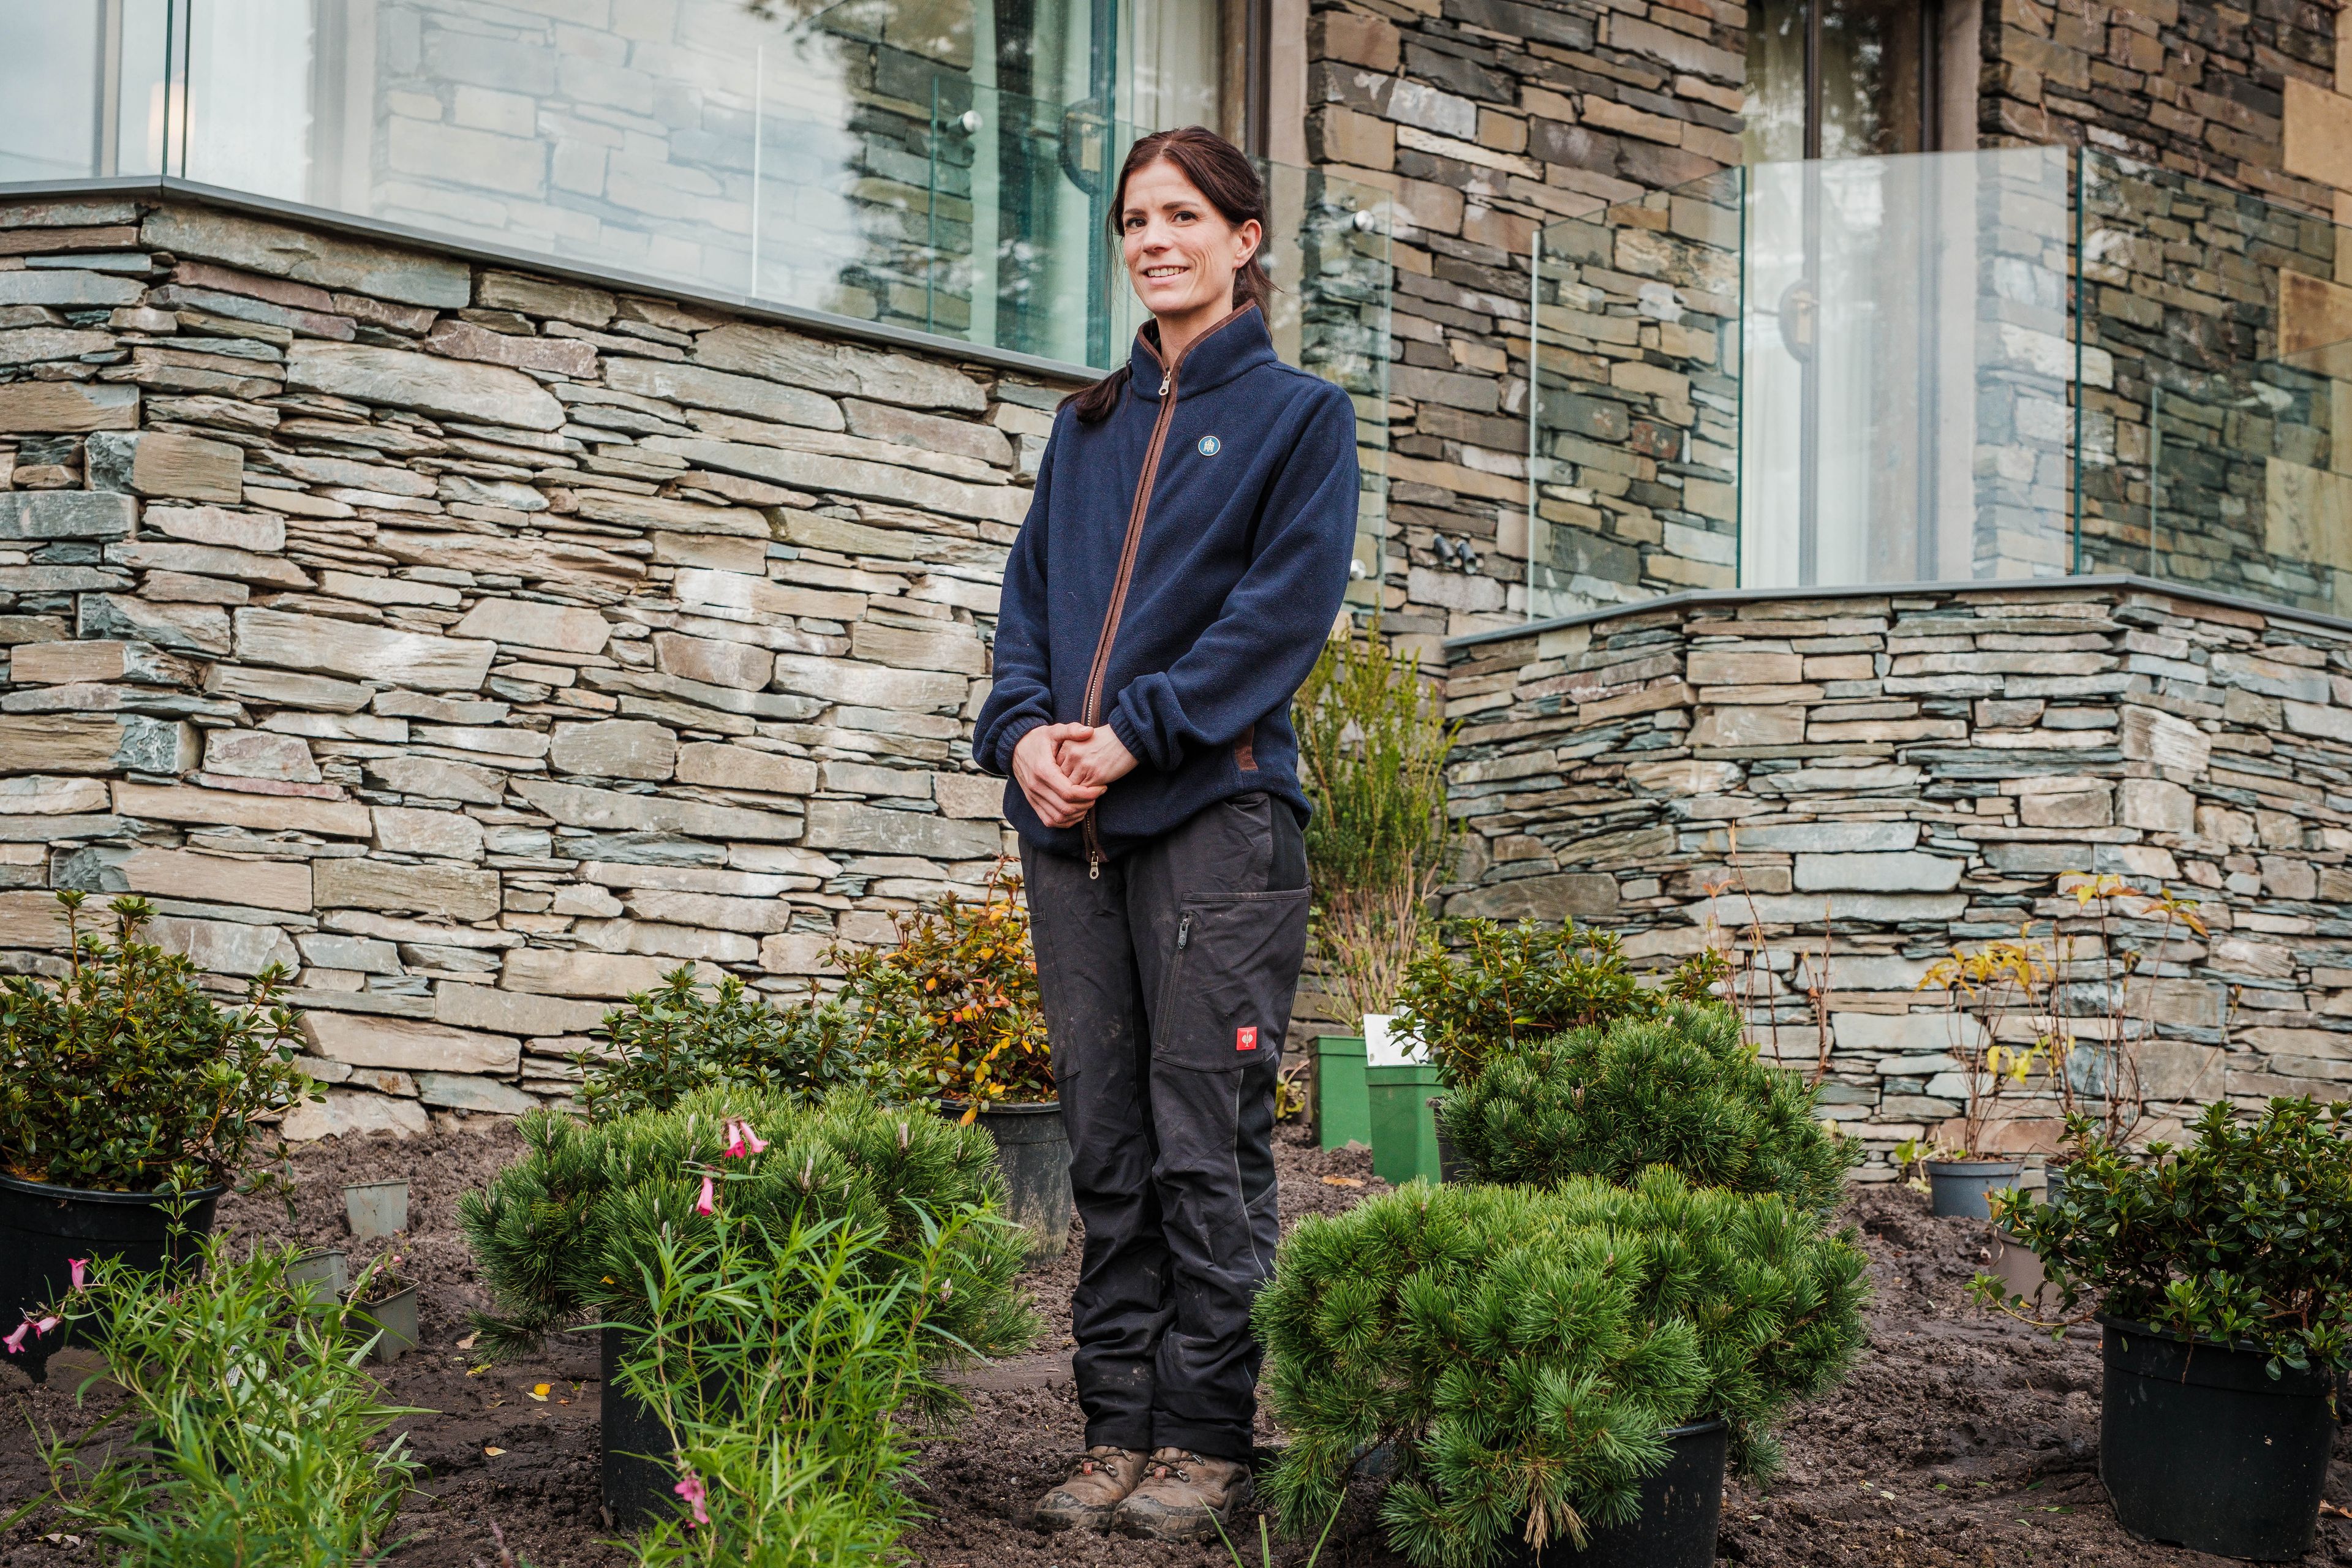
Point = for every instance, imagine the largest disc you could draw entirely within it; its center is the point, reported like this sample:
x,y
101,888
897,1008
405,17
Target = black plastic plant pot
x,y
638,1484
44,1227
1450,1169
1033,1151
1681,1504
2200,1447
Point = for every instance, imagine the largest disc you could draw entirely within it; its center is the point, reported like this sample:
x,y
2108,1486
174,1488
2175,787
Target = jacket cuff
x,y
1138,744
1001,763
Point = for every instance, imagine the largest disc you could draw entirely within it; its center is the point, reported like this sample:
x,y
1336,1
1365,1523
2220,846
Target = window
x,y
1840,79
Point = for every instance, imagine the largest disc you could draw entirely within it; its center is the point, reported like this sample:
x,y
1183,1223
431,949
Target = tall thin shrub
x,y
254,1439
781,1364
1372,745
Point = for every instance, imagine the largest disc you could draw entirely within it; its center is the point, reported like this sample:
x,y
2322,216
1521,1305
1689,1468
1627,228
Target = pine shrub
x,y
569,1233
1683,1088
1524,1350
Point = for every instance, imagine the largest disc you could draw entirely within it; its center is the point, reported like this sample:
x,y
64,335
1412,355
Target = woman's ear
x,y
1250,236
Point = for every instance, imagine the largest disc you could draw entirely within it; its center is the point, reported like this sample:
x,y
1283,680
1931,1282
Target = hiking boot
x,y
1100,1479
1183,1496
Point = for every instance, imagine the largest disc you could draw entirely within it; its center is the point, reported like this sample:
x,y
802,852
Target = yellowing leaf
x,y
494,1453
538,1391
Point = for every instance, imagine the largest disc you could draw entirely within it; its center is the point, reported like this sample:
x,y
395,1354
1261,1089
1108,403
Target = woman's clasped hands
x,y
1063,769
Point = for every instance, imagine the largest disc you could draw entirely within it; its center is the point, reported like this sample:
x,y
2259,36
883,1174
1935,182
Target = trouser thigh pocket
x,y
1232,980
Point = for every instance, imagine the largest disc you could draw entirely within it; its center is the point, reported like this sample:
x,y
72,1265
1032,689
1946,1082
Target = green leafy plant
x,y
954,1008
781,1364
125,1076
2243,1236
567,1233
665,1044
1683,1088
1373,744
1503,987
1523,1350
247,1434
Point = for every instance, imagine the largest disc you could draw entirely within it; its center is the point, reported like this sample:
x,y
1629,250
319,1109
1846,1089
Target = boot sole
x,y
1182,1527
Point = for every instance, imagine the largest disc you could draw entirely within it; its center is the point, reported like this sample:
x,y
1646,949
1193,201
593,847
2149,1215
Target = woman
x,y
1181,564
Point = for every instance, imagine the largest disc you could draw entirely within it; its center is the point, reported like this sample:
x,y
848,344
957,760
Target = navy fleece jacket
x,y
1240,558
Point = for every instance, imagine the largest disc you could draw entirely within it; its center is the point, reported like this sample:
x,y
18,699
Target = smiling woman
x,y
1182,560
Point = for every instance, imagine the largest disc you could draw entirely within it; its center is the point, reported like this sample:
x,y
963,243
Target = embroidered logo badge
x,y
1246,1039
1210,446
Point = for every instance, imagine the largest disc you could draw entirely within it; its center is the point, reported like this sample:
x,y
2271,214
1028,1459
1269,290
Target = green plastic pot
x,y
1342,1114
1404,1131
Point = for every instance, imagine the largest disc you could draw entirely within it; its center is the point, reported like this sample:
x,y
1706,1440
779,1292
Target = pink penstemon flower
x,y
81,1266
15,1342
691,1490
706,1204
741,1140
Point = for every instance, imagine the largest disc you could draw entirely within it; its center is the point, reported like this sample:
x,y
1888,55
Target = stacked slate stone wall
x,y
1917,771
475,645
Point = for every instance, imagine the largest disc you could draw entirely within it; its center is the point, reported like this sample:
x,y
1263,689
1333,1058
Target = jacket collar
x,y
1237,342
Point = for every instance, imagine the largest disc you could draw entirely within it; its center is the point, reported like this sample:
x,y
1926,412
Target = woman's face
x,y
1181,252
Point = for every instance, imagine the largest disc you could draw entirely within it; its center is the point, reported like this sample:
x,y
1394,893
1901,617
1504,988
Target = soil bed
x,y
1963,1439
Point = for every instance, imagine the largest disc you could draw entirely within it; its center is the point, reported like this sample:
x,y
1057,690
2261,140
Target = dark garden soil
x,y
1963,1439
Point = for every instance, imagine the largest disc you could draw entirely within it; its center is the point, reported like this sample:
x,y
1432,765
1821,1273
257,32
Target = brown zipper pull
x,y
1165,377
1094,870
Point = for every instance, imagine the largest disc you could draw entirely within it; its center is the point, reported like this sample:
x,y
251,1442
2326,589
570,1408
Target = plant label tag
x,y
1246,1039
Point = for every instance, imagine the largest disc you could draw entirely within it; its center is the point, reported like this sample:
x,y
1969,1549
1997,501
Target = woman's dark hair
x,y
1219,170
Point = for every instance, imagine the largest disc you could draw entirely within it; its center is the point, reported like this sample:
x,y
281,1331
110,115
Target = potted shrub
x,y
1532,1356
1682,1088
1498,989
566,1236
245,1431
1372,745
953,1011
776,1376
2221,1274
661,1045
2015,1041
129,1099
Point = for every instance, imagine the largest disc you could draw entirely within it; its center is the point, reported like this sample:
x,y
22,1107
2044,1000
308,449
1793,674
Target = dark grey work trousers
x,y
1167,984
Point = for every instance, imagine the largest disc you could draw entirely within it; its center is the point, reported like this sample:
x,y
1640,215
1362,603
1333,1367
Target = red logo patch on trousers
x,y
1246,1039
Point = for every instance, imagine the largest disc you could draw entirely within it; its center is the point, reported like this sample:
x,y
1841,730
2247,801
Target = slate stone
x,y
490,394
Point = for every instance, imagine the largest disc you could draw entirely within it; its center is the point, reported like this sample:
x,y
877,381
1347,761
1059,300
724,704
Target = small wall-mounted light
x,y
1363,222
1356,573
969,120
1456,553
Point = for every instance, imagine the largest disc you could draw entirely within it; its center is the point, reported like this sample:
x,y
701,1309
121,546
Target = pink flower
x,y
741,1140
691,1490
704,1205
79,1266
15,1342
46,1324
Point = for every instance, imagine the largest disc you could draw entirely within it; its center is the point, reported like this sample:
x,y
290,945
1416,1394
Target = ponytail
x,y
1222,173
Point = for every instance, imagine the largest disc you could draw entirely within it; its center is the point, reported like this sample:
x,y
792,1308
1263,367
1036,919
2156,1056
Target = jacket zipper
x,y
1128,547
